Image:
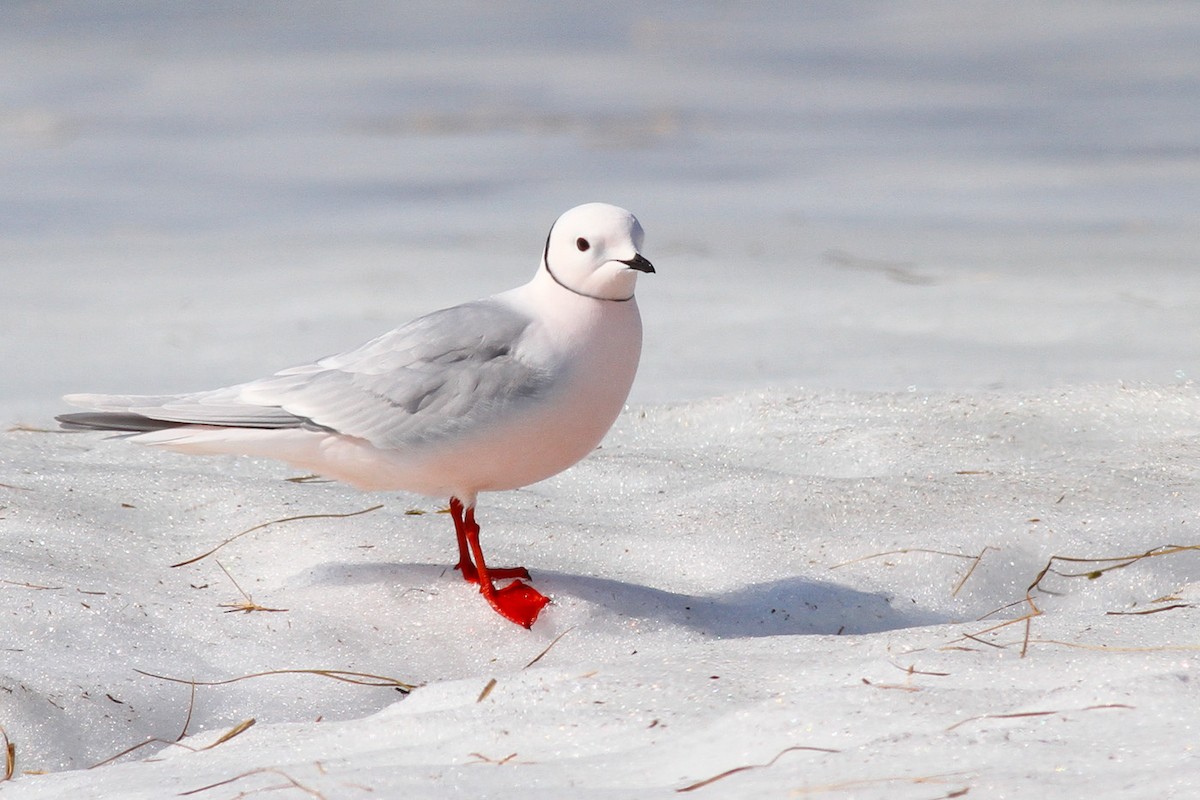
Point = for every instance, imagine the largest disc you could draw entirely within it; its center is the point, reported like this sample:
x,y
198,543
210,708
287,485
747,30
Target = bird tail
x,y
136,413
115,412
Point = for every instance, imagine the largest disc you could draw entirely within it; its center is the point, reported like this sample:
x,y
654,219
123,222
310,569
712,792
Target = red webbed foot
x,y
518,602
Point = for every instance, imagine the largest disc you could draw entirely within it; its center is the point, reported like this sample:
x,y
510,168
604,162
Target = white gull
x,y
486,396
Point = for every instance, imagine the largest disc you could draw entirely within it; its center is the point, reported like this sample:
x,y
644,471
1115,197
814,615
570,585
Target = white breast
x,y
594,347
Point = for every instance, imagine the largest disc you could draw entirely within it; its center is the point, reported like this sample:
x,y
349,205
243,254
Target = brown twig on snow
x,y
260,526
975,559
312,478
236,730
291,782
1147,611
499,762
10,756
1023,714
248,604
862,783
138,746
911,670
24,585
701,784
345,676
902,687
539,656
188,719
1105,648
1004,607
1112,562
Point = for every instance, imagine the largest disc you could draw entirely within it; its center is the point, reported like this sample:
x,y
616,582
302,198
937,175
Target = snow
x,y
926,317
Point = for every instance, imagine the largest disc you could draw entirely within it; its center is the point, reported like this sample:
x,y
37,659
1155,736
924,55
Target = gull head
x,y
592,250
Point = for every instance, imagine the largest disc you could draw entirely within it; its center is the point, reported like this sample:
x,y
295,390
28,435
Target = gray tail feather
x,y
112,421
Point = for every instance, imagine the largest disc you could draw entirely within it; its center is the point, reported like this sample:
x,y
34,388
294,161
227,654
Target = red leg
x,y
464,565
518,602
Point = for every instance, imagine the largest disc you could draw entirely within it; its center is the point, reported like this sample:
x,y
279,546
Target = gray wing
x,y
440,375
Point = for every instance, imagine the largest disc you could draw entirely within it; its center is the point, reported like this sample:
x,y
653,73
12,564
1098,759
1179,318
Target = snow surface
x,y
927,315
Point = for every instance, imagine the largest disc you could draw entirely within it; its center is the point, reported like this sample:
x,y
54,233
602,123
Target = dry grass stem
x,y
701,784
188,719
225,737
247,605
1028,632
236,730
974,559
499,762
10,756
1024,714
291,783
539,656
1113,562
1109,564
491,684
903,687
970,571
136,747
977,636
911,670
1105,648
314,478
344,676
1004,607
863,783
24,585
260,526
1147,611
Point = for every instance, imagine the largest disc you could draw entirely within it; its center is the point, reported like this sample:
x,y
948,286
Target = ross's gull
x,y
489,395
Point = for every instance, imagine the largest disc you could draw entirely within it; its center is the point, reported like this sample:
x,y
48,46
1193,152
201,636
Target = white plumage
x,y
489,395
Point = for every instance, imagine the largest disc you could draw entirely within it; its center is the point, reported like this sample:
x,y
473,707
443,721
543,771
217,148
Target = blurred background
x,y
893,196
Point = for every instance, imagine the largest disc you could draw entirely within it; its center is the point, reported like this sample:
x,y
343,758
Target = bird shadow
x,y
788,606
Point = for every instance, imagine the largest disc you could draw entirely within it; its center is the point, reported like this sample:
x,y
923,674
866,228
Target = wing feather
x,y
440,375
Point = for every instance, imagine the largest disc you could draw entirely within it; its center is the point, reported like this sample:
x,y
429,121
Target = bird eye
x,y
582,244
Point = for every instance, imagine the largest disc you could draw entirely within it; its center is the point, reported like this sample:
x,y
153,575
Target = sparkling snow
x,y
926,317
